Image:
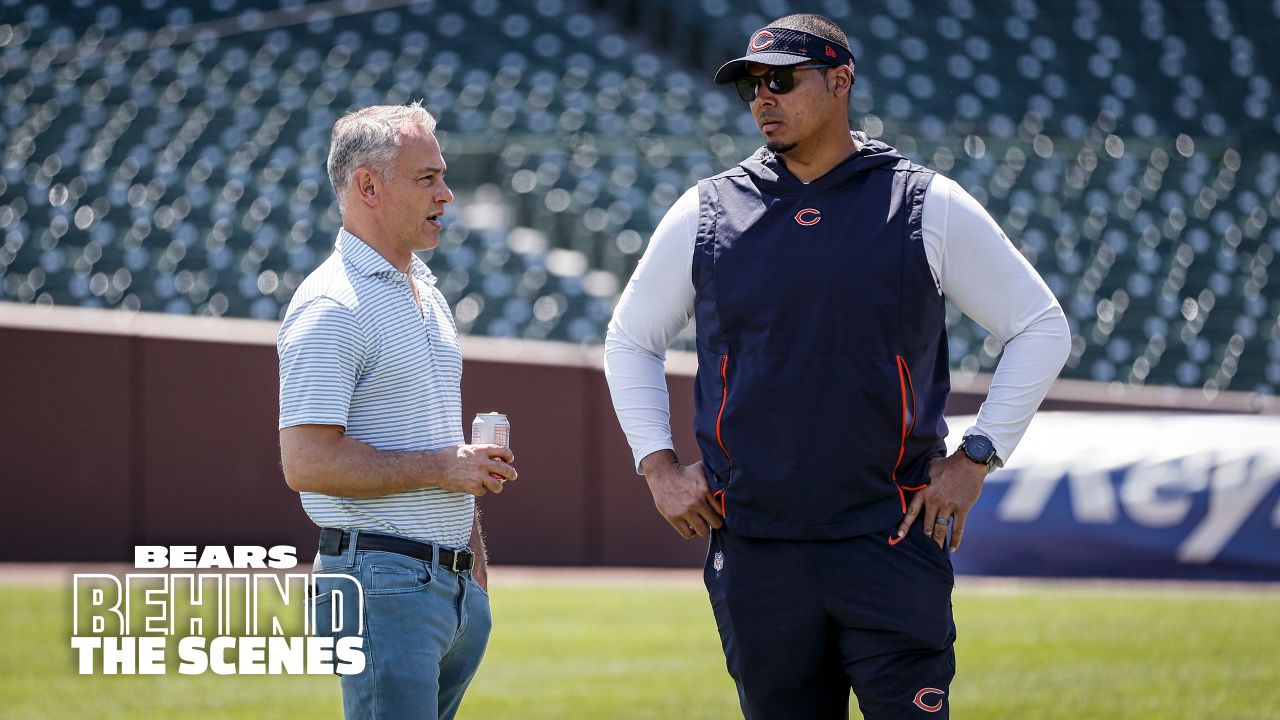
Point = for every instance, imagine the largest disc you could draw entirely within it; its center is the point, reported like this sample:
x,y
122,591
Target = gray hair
x,y
371,137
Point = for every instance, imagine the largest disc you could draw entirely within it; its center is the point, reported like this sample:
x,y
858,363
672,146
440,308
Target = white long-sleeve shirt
x,y
972,262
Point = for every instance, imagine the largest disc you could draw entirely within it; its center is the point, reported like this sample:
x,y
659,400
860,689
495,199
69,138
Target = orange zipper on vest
x,y
906,389
724,398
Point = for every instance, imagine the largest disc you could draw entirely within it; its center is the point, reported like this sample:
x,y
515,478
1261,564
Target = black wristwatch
x,y
980,449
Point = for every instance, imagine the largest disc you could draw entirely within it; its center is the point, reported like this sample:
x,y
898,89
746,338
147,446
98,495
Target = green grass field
x,y
566,650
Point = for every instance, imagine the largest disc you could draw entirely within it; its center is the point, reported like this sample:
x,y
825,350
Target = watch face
x,y
978,448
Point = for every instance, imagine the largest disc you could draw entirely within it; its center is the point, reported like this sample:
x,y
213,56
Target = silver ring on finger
x,y
943,523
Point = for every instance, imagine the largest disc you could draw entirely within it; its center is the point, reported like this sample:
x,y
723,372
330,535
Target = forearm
x,y
638,388
345,467
1028,366
481,569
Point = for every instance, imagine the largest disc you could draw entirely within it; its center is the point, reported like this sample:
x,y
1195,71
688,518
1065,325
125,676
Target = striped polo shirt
x,y
356,351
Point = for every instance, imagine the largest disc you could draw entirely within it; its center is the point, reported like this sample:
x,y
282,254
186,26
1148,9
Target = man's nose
x,y
764,95
445,195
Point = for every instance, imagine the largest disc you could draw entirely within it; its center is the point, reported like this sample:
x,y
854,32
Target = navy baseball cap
x,y
783,46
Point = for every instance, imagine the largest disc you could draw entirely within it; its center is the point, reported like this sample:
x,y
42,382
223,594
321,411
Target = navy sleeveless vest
x,y
822,354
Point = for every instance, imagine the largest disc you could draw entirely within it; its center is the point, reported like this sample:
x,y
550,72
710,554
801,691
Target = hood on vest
x,y
771,174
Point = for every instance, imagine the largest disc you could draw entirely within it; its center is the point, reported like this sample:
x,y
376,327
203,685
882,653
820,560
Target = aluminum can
x,y
491,428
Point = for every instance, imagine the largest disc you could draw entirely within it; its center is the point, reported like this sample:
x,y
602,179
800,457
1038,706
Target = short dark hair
x,y
820,25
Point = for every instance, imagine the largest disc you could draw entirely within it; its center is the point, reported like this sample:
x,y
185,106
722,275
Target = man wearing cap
x,y
816,271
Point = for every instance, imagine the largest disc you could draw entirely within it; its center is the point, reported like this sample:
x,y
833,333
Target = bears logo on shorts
x,y
920,701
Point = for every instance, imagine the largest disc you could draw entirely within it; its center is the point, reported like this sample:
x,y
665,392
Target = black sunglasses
x,y
780,80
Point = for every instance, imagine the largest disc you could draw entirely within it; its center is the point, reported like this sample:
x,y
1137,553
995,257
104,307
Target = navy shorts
x,y
804,623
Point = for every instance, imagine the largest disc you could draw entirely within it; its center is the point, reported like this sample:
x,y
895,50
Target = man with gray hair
x,y
371,428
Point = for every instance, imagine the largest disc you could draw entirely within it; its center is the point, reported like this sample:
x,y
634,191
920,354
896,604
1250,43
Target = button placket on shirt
x,y
419,306
427,315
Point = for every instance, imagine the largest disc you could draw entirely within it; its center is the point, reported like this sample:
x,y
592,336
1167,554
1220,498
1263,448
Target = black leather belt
x,y
335,541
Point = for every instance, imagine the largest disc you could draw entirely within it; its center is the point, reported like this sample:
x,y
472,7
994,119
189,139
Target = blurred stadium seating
x,y
171,158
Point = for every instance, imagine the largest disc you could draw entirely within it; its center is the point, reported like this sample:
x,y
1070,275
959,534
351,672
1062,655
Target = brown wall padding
x,y
69,457
112,441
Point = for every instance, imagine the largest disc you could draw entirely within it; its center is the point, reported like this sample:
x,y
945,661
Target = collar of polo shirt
x,y
367,260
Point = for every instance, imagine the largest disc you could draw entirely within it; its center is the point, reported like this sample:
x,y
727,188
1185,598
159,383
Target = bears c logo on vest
x,y
809,216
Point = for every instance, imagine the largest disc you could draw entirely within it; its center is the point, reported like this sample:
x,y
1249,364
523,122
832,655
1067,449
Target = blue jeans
x,y
425,631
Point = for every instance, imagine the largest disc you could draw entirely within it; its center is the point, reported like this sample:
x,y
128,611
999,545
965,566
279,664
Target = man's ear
x,y
840,80
367,186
